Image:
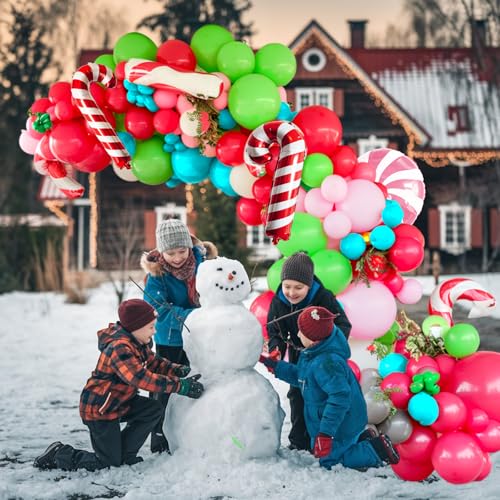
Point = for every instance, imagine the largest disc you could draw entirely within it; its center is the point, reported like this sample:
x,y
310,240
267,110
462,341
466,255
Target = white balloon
x,y
125,174
242,180
360,355
189,123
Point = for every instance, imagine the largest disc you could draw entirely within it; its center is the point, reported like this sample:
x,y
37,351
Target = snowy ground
x,y
47,351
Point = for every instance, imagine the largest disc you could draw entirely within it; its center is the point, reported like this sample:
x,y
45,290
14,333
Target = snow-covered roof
x,y
31,220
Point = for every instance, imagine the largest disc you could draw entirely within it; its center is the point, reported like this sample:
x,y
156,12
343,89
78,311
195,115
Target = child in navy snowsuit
x,y
334,406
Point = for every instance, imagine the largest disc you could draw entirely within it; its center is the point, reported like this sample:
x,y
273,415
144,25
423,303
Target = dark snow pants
x,y
112,446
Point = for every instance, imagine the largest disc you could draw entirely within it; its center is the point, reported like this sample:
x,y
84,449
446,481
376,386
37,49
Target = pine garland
x,y
213,133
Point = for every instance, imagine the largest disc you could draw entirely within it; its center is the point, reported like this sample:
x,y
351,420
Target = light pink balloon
x,y
411,292
209,151
183,104
316,205
299,207
226,82
165,99
282,92
190,142
337,225
333,244
221,101
27,142
370,309
363,204
334,188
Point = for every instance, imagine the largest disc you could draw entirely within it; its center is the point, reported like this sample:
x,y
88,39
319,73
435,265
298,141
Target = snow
x,y
48,349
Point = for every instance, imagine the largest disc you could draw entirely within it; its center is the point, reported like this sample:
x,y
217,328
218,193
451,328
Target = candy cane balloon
x,y
58,173
402,178
448,292
96,119
286,179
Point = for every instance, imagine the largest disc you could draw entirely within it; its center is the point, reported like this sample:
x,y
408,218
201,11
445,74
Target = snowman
x,y
238,415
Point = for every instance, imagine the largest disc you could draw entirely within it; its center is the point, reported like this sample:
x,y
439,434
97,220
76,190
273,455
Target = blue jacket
x,y
333,401
164,288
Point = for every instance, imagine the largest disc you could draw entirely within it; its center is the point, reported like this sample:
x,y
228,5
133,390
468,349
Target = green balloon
x,y
333,269
461,340
317,166
277,62
390,335
435,325
254,100
150,164
107,59
120,122
306,234
134,45
235,59
274,274
206,43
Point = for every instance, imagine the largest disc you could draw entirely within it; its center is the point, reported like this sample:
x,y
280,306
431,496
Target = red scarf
x,y
185,273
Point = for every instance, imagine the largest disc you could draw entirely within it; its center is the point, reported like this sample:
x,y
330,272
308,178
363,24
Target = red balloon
x,y
116,99
120,70
486,468
260,308
96,161
409,231
344,161
363,170
406,254
249,211
60,91
424,363
230,148
452,412
41,105
321,127
177,54
393,281
477,420
64,110
408,470
418,447
70,142
476,379
377,267
400,348
166,121
489,439
398,385
139,122
261,189
355,369
457,457
446,364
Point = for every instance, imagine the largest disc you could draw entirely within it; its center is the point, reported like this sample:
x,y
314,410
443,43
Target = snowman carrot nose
x,y
230,277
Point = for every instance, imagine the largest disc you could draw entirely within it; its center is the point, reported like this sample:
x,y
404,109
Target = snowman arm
x,y
287,372
276,340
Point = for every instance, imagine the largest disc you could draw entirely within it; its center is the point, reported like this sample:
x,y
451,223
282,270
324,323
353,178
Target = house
x,y
440,106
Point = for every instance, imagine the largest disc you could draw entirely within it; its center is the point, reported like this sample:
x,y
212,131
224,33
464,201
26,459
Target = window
x,y
458,119
313,96
314,60
373,142
170,211
260,243
455,228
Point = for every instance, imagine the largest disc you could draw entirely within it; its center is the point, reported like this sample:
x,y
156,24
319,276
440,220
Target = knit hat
x,y
172,233
316,323
298,267
135,313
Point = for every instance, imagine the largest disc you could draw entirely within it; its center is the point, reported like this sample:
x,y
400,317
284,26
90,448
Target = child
x,y
299,288
126,364
170,289
334,406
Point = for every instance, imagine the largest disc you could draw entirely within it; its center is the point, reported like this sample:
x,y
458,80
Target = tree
x,y
181,18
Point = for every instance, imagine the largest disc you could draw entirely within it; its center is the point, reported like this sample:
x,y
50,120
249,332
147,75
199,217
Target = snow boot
x,y
385,449
133,460
159,443
46,461
368,433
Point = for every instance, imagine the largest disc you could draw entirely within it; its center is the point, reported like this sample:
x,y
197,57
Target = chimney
x,y
357,33
479,33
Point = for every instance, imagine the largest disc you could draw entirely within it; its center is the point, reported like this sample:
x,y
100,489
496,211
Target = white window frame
x,y
313,68
171,210
371,143
264,249
314,96
455,247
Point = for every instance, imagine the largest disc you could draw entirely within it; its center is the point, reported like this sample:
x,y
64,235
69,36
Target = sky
x,y
281,20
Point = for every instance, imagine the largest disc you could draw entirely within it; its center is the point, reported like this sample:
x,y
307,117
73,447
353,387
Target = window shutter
x,y
338,102
476,228
149,229
433,238
494,233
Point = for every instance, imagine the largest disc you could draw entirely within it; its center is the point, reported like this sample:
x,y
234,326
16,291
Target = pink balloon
x,y
190,142
477,420
424,363
300,200
409,470
27,142
446,364
476,379
400,348
355,368
370,309
452,412
209,151
333,244
226,82
165,99
363,204
489,439
183,104
31,131
399,383
316,205
419,446
337,225
334,188
457,457
221,101
486,468
411,292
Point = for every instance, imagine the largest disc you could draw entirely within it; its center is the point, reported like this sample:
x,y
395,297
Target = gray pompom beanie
x,y
172,233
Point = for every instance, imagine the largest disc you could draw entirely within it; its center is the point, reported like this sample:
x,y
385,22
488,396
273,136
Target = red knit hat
x,y
135,313
316,323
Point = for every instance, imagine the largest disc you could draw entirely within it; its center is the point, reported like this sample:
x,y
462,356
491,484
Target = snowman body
x,y
238,415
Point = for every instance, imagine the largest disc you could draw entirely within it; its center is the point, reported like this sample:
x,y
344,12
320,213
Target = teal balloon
x,y
352,246
392,363
206,43
219,177
285,112
128,141
173,182
306,234
423,408
226,121
382,238
190,166
392,214
277,62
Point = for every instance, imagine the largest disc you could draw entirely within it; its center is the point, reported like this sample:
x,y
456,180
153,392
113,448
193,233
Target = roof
x,y
31,220
47,190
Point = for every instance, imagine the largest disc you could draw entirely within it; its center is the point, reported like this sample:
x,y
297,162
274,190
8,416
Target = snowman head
x,y
222,281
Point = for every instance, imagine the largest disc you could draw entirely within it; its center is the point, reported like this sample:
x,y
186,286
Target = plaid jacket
x,y
124,367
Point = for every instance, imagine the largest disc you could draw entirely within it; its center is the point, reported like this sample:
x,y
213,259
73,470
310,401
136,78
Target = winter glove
x,y
181,371
269,362
322,445
190,387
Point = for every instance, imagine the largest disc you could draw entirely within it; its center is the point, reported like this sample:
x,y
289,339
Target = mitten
x,y
322,445
269,363
181,371
190,387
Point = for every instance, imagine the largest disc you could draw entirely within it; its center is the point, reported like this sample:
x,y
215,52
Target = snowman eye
x,y
219,269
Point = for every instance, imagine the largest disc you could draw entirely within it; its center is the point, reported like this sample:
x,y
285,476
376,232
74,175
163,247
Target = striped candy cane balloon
x,y
448,292
286,179
402,178
59,176
96,119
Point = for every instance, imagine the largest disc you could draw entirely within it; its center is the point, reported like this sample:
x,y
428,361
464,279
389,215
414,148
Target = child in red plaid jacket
x,y
126,364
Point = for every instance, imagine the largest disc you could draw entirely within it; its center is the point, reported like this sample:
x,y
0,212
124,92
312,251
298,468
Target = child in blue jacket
x,y
334,406
170,289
